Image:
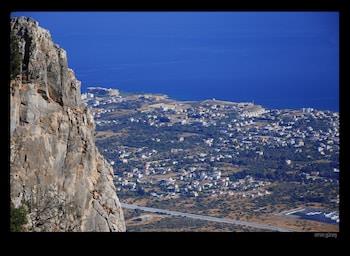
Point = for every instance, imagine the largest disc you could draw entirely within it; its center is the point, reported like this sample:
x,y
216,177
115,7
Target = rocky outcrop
x,y
56,169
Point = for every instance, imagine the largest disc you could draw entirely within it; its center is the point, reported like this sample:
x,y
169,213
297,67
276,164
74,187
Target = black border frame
x,y
296,5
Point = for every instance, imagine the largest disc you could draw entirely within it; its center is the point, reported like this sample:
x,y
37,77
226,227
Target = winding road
x,y
207,218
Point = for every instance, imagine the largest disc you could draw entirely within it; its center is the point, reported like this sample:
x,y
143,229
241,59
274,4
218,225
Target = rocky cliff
x,y
56,169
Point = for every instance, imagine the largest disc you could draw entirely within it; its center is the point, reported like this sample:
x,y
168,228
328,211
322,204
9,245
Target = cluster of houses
x,y
243,127
253,127
188,183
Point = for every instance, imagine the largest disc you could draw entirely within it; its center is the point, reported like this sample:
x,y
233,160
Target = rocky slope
x,y
56,169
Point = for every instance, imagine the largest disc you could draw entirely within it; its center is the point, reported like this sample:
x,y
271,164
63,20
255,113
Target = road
x,y
291,211
207,218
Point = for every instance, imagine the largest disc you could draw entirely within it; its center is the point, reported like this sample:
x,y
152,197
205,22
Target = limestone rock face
x,y
56,169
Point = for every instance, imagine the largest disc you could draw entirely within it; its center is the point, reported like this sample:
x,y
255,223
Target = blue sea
x,y
276,59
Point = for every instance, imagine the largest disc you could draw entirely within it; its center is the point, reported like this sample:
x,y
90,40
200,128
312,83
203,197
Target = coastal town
x,y
163,149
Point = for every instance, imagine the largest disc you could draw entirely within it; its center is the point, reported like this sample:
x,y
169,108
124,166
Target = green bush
x,y
15,57
18,218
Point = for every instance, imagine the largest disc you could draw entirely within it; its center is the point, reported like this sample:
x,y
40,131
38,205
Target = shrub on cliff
x,y
18,218
15,57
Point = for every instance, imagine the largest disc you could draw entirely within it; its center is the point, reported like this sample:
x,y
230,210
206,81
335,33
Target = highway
x,y
207,218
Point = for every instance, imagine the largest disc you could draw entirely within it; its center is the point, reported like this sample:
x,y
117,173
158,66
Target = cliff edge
x,y
56,170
